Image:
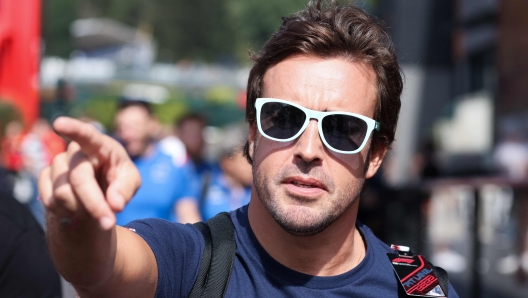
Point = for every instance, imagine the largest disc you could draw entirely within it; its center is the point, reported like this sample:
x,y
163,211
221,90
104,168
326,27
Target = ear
x,y
252,136
377,155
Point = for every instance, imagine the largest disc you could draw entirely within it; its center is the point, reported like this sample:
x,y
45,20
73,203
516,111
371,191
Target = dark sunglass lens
x,y
280,120
343,132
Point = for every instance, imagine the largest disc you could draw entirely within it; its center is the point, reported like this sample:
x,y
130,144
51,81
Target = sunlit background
x,y
454,185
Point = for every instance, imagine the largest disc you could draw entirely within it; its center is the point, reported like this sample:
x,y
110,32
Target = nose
x,y
309,146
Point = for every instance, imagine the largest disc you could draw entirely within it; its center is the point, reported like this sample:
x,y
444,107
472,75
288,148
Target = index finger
x,y
105,153
92,143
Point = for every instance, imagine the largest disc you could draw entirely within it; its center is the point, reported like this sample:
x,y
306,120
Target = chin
x,y
301,221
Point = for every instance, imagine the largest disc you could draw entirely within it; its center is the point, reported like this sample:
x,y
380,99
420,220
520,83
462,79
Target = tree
x,y
208,30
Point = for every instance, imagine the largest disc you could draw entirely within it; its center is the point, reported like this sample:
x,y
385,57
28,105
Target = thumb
x,y
123,187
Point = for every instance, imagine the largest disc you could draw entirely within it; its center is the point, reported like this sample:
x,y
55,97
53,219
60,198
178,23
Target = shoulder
x,y
173,147
16,215
178,250
382,264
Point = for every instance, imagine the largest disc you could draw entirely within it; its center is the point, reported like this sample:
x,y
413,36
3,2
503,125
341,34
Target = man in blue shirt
x,y
322,106
163,182
229,185
190,130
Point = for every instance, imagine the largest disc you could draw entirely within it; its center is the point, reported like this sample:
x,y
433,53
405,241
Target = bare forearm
x,y
114,263
91,181
83,254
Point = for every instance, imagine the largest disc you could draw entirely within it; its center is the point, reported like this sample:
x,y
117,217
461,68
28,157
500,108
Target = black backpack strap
x,y
199,284
219,255
443,278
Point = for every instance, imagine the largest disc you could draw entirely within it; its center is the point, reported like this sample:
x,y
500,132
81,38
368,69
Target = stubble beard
x,y
300,221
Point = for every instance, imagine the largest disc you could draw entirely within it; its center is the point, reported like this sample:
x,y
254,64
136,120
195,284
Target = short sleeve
x,y
178,251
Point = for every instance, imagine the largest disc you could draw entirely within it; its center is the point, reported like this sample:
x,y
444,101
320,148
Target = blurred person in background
x,y
511,155
190,130
163,181
228,186
37,149
215,186
13,135
511,159
443,213
170,144
26,269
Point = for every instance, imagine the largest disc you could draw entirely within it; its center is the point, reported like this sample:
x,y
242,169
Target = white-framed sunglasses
x,y
282,121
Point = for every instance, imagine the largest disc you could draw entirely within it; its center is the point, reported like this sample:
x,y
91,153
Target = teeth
x,y
302,185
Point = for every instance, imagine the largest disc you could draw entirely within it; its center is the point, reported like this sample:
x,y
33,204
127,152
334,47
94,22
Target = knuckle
x,y
77,176
47,202
59,158
62,194
95,209
50,204
72,146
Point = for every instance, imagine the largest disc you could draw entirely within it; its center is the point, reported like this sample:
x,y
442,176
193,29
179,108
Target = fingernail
x,y
106,223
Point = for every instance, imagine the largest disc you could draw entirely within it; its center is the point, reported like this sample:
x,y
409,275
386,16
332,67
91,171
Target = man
x,y
163,182
313,93
215,186
190,131
228,186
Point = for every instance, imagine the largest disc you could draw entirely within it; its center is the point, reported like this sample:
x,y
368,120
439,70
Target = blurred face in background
x,y
236,166
190,133
133,125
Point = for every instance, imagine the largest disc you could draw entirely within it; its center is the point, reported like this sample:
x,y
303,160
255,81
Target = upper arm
x,y
135,269
174,251
137,259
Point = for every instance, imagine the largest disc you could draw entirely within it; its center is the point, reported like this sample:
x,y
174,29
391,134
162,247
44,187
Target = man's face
x,y
304,185
190,133
132,128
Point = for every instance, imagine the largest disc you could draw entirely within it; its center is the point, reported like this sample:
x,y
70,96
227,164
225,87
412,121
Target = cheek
x,y
347,164
268,151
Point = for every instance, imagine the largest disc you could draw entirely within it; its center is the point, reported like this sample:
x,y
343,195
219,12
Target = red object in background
x,y
241,99
20,55
11,155
53,143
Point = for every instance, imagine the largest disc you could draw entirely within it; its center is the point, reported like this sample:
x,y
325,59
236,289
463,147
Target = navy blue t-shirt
x,y
178,250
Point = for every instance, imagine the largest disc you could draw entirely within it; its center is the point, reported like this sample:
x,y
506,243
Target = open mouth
x,y
298,184
308,183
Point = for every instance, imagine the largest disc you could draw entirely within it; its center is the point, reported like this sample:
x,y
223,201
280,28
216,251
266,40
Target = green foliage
x,y
220,94
210,30
57,17
101,109
256,20
170,110
8,113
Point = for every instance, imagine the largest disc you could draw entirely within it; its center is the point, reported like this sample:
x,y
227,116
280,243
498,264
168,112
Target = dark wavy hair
x,y
326,29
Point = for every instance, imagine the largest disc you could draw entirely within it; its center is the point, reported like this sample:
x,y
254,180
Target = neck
x,y
147,151
336,250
